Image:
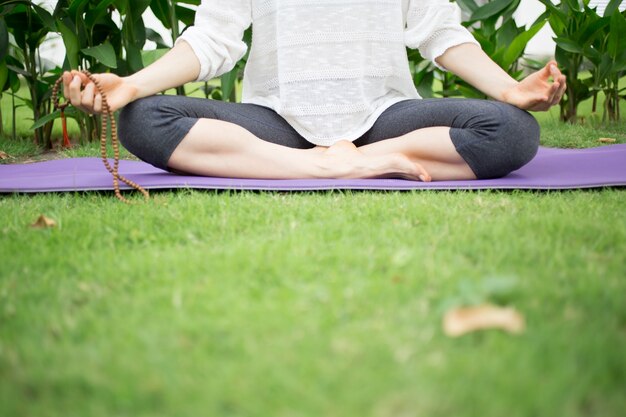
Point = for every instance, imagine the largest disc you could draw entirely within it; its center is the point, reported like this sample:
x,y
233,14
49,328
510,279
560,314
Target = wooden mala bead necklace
x,y
107,120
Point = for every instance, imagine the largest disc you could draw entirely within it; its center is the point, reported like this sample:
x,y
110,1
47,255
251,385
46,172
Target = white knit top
x,y
329,67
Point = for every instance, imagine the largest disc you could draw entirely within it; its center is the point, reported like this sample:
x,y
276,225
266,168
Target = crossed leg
x,y
403,143
224,149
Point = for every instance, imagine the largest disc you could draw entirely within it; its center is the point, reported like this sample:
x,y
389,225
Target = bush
x,y
583,38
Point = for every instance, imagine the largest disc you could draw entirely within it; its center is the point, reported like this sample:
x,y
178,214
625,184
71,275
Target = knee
x,y
520,133
512,144
151,128
134,123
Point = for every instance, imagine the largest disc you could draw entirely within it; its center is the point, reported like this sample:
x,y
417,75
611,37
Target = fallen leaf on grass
x,y
607,140
4,155
462,320
43,222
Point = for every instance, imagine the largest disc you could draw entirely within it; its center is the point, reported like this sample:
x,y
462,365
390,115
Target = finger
x,y
546,71
67,79
554,91
75,94
88,96
423,174
97,104
560,92
554,71
83,77
563,88
540,107
558,96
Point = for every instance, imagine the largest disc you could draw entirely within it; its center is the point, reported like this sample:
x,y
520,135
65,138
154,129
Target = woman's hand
x,y
535,92
82,93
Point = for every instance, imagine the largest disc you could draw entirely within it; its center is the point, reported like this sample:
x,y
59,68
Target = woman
x,y
327,94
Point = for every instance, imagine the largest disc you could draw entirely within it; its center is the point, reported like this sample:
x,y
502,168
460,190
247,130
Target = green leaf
x,y
518,45
617,34
4,39
490,9
71,44
569,45
185,15
161,10
46,17
469,6
228,83
4,76
69,112
18,70
574,5
612,6
604,69
591,31
95,15
15,82
620,62
149,57
558,19
104,54
425,85
133,57
506,33
76,9
592,54
155,37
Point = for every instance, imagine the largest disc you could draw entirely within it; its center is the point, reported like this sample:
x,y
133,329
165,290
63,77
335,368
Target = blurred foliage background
x,y
110,35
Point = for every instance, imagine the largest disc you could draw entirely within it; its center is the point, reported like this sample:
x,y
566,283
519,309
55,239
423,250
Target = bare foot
x,y
344,160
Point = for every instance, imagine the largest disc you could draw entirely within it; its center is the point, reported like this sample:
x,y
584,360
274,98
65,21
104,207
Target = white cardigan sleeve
x,y
216,37
433,26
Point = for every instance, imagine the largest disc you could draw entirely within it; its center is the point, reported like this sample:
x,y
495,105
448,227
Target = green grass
x,y
313,304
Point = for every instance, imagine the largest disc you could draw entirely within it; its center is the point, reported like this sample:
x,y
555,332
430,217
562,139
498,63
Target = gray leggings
x,y
494,138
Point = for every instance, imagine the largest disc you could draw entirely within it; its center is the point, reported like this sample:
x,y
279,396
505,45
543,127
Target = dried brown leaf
x,y
463,320
607,140
43,222
4,155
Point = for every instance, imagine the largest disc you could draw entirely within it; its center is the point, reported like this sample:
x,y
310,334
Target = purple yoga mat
x,y
551,169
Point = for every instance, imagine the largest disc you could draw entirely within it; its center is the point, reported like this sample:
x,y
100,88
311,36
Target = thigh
x,y
493,138
152,128
261,121
410,115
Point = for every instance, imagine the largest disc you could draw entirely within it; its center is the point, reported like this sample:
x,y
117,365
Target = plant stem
x,y
14,121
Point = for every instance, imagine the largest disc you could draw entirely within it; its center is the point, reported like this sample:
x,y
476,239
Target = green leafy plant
x,y
608,60
27,26
584,37
95,41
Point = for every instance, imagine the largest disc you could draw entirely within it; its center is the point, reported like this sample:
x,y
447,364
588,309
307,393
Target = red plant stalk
x,y
66,138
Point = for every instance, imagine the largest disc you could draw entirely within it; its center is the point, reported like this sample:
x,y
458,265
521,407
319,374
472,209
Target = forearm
x,y
177,67
473,65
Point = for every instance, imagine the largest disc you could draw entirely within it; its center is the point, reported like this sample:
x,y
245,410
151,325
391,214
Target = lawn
x,y
313,304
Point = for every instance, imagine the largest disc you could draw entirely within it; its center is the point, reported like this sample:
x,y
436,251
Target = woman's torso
x,y
330,67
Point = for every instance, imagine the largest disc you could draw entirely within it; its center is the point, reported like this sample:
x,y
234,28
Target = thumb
x,y
83,78
547,70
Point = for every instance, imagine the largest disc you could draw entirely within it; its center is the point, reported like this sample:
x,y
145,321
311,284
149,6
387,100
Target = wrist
x,y
504,93
137,89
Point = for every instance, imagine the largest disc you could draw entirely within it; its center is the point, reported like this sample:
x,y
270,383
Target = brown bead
x,y
106,117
